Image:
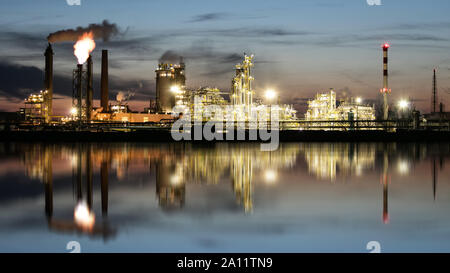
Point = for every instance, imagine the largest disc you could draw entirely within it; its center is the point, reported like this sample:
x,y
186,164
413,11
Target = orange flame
x,y
84,46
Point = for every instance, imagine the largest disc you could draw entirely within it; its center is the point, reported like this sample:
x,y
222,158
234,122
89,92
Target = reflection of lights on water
x,y
175,179
385,218
270,176
74,160
83,216
403,167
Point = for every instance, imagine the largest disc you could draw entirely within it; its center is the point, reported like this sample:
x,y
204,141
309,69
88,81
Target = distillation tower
x,y
241,87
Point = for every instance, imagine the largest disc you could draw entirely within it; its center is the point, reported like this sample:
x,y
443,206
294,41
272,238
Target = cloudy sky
x,y
301,47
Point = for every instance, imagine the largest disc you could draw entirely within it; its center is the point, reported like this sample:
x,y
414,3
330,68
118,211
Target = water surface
x,y
304,197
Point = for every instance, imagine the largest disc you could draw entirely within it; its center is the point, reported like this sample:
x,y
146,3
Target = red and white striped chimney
x,y
385,89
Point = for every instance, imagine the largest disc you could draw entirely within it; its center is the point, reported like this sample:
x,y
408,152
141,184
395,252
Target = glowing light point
x,y
270,94
73,111
175,89
403,104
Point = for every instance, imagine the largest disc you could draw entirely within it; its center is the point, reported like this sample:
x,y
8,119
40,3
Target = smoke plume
x,y
104,31
170,57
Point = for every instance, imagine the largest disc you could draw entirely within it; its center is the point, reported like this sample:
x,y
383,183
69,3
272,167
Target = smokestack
x,y
104,81
48,79
79,91
89,90
434,101
385,89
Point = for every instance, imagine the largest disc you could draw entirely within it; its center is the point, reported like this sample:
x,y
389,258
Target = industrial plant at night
x,y
223,136
325,112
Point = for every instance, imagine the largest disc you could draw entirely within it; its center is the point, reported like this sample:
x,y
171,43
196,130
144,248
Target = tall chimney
x,y
79,92
89,90
385,89
434,99
104,81
48,80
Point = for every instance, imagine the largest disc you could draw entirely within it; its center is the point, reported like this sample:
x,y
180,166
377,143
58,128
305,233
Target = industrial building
x,y
324,112
169,78
240,100
325,107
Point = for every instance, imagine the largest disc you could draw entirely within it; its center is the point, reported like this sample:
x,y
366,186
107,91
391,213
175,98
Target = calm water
x,y
304,197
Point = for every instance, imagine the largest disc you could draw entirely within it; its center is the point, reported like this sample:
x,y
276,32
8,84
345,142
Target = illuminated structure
x,y
167,77
39,106
241,85
36,107
322,107
385,91
204,96
238,108
82,94
325,108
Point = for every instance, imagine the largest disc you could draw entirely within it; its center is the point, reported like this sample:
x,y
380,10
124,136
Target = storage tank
x,y
167,76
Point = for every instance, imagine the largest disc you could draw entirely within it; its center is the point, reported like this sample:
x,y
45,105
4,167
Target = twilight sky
x,y
301,47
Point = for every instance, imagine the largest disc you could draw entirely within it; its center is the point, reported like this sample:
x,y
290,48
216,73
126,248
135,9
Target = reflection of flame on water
x,y
83,216
84,46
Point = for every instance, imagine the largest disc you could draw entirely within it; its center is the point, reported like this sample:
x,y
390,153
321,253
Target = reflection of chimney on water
x,y
89,88
84,219
104,186
89,177
48,182
385,180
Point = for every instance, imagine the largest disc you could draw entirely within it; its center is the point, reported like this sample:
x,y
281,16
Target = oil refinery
x,y
176,100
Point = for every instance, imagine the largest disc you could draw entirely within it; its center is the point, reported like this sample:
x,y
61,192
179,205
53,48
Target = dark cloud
x,y
419,26
351,39
215,16
23,40
207,17
251,32
201,50
170,56
19,81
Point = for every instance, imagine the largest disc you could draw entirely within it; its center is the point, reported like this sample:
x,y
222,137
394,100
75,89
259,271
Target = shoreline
x,y
284,136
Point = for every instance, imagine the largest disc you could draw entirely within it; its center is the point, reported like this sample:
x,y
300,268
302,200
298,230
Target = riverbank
x,y
164,135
